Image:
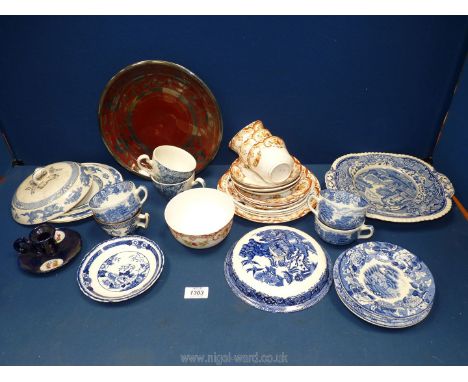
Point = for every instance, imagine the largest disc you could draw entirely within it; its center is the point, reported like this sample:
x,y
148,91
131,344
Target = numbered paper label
x,y
196,292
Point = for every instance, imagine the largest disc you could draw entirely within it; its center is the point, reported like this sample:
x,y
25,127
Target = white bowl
x,y
201,217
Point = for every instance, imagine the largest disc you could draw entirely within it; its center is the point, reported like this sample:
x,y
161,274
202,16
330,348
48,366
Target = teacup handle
x,y
144,158
200,181
365,235
137,194
143,220
309,199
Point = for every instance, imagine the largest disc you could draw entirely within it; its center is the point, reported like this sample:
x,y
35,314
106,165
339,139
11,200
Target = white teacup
x,y
169,164
270,159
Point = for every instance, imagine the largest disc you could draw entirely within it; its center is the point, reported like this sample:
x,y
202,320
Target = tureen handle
x,y
39,175
446,183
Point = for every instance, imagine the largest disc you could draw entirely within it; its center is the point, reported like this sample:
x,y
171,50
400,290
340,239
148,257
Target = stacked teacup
x,y
340,217
171,169
266,183
117,208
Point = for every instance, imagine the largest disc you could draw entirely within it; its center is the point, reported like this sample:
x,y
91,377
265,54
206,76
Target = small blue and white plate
x,y
278,269
384,284
399,188
120,269
102,176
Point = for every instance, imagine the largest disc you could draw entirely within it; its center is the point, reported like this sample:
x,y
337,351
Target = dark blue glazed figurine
x,y
47,248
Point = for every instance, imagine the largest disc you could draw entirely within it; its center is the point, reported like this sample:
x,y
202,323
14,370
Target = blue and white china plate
x,y
278,269
120,269
102,176
384,284
49,192
398,188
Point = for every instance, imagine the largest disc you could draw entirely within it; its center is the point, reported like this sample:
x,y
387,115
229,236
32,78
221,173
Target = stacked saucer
x,y
384,284
258,197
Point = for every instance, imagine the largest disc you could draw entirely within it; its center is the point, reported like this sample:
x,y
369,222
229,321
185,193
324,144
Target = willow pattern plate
x,y
384,284
398,187
278,269
121,268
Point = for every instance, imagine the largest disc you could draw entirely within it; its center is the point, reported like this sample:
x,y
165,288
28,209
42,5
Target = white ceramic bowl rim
x,y
199,211
174,158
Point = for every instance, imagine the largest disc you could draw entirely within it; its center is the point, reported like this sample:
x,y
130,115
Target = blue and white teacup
x,y
171,190
339,209
169,164
126,227
118,202
342,237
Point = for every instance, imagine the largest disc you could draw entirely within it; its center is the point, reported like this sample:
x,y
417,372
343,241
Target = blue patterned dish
x,y
342,237
50,192
384,284
339,209
102,176
398,187
278,269
121,268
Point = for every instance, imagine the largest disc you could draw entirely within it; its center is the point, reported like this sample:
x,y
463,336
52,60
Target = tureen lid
x,y
49,192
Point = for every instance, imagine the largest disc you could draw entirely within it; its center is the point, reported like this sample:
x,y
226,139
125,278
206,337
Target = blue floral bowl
x,y
339,209
118,202
342,237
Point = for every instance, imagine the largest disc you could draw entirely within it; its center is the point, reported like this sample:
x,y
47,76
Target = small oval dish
x,y
200,218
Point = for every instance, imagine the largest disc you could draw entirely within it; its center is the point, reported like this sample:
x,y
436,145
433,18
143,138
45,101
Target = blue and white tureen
x,y
384,284
50,192
398,187
121,268
278,269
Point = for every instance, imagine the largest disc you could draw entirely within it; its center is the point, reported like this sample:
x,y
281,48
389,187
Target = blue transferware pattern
x,y
278,257
123,271
50,192
341,210
171,190
384,284
126,227
341,237
102,175
117,202
168,176
126,275
398,187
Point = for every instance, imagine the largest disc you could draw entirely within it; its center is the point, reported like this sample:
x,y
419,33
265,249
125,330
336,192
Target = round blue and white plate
x,y
120,269
102,176
384,284
278,269
399,188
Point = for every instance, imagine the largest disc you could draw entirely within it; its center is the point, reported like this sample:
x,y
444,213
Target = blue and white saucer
x,y
384,284
102,176
120,269
278,269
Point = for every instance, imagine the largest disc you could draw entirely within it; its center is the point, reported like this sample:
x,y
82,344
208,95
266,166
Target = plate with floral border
x,y
120,269
384,284
278,269
102,175
399,188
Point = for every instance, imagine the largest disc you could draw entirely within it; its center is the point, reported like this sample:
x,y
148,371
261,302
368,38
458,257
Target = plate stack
x,y
262,201
384,284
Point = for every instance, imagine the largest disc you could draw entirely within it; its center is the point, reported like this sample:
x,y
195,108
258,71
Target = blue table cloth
x,y
46,320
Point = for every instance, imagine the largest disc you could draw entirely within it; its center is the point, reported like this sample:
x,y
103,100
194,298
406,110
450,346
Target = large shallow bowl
x,y
154,103
200,218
